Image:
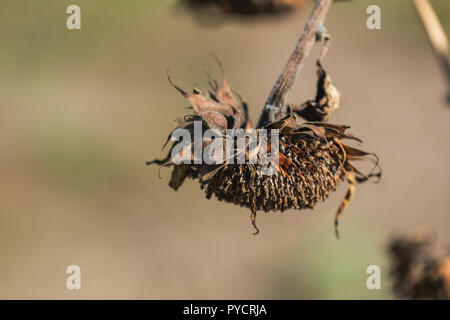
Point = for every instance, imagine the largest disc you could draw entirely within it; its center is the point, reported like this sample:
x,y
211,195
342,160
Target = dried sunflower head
x,y
214,9
419,268
312,158
280,164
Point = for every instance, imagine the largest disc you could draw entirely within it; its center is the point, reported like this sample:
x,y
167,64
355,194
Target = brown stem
x,y
276,104
436,34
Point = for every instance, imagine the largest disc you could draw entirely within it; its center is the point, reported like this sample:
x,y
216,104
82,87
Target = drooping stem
x,y
436,34
276,104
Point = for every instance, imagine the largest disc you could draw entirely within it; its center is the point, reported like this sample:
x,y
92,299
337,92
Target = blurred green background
x,y
81,112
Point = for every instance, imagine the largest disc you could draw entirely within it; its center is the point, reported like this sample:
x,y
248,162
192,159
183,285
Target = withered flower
x,y
213,11
243,8
419,267
312,158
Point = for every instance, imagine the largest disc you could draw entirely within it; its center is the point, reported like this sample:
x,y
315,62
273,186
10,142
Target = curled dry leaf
x,y
327,101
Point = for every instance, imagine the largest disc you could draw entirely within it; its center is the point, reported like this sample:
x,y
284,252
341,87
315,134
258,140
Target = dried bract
x,y
327,101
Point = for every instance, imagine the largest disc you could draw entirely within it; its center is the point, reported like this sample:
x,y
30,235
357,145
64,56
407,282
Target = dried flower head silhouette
x,y
312,159
420,266
244,8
